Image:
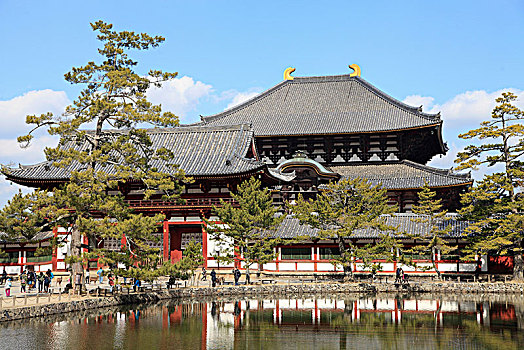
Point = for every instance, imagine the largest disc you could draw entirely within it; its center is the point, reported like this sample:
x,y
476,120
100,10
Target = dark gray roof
x,y
324,105
199,151
40,236
291,227
404,174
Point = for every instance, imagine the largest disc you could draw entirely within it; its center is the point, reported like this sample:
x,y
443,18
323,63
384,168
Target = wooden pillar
x,y
54,258
166,240
204,244
176,246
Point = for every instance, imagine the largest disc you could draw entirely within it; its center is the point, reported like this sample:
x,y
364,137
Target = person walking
x,y
204,272
7,287
4,277
136,285
213,278
248,278
87,276
23,281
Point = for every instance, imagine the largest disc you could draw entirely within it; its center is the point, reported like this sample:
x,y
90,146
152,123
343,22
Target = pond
x,y
309,322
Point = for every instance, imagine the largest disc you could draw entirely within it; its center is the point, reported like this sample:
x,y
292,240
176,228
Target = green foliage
x,y
185,267
118,151
345,207
244,228
433,216
496,204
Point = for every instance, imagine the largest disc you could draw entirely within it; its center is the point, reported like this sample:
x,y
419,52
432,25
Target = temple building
x,y
296,137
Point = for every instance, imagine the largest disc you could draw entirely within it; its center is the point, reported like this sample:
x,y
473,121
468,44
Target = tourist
x,y
111,281
397,274
236,275
213,278
31,279
4,276
100,276
47,282
136,285
87,276
23,282
204,277
248,278
41,279
7,287
402,276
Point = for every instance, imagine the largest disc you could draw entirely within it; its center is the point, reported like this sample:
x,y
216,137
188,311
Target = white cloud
x,y
180,95
460,114
13,112
463,110
240,97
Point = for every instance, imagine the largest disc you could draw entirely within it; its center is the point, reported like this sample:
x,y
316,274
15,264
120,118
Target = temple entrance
x,y
179,236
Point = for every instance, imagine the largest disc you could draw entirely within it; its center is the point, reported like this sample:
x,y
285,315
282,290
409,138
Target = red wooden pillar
x,y
166,240
54,258
204,244
176,246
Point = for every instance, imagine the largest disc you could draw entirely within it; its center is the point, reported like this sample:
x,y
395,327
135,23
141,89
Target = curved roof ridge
x,y
244,104
447,172
202,128
396,102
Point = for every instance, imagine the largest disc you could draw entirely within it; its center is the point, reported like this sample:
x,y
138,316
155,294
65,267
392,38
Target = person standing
x,y
213,278
41,278
7,287
111,281
87,276
204,272
100,277
4,276
248,278
397,275
236,275
23,282
47,282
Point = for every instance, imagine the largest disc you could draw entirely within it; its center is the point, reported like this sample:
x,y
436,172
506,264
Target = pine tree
x,y
496,205
116,151
431,215
246,228
343,208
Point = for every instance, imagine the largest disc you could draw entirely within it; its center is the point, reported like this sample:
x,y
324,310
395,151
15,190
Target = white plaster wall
x,y
410,305
387,266
449,306
305,266
270,266
286,266
306,304
325,267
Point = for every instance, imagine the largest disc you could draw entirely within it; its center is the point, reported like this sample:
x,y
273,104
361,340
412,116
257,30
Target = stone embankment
x,y
268,290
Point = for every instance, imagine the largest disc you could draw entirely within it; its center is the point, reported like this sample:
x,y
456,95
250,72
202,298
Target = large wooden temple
x,y
296,137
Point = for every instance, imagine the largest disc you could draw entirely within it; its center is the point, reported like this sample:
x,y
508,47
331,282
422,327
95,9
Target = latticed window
x,y
329,253
296,253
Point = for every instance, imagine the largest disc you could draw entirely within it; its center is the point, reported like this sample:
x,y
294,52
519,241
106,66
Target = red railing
x,y
193,202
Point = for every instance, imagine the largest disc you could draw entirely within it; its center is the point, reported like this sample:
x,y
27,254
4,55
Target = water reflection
x,y
336,322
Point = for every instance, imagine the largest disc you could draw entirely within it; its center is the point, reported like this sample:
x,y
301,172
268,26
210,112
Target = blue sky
x,y
451,56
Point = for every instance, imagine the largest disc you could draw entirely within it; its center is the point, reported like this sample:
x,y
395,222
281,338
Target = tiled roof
x,y
403,175
199,151
40,236
291,227
324,105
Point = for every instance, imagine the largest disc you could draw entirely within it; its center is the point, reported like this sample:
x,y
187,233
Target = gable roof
x,y
337,104
404,175
199,151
